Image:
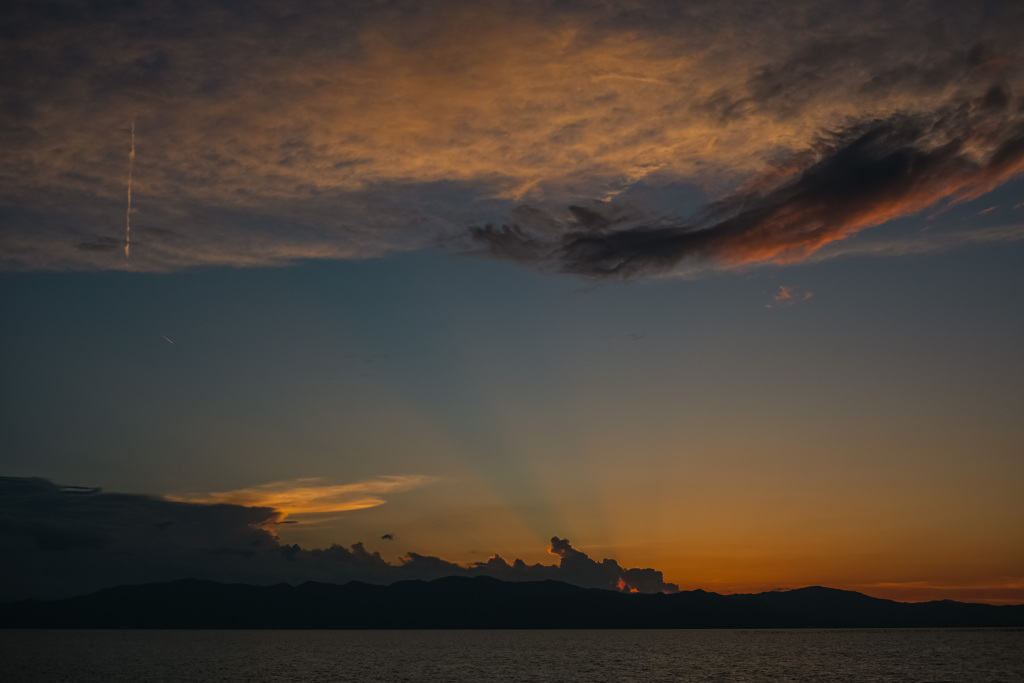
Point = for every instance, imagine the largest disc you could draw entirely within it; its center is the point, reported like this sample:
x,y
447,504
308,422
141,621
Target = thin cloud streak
x,y
1002,591
924,243
1014,583
308,496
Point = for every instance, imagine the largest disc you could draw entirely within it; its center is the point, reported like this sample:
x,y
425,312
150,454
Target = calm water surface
x,y
734,655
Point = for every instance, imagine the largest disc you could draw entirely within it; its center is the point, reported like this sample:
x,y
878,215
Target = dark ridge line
x,y
485,603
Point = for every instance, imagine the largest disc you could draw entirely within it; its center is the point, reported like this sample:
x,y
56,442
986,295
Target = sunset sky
x,y
733,291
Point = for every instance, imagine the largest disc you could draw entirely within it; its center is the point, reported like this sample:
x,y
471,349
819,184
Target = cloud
x,y
60,541
574,566
380,127
860,177
784,294
931,242
1007,583
1003,590
788,295
66,540
306,496
578,568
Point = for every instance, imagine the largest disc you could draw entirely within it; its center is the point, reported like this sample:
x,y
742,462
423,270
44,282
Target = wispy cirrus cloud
x,y
377,128
311,495
932,242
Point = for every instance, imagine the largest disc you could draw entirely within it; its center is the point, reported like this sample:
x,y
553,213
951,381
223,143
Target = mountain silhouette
x,y
482,603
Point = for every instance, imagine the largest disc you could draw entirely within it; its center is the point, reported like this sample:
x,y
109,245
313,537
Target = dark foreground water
x,y
733,655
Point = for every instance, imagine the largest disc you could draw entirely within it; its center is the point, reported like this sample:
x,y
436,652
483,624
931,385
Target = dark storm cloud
x,y
859,177
61,541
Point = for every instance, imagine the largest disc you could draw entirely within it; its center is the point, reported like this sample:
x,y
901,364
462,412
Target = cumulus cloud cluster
x,y
62,541
268,132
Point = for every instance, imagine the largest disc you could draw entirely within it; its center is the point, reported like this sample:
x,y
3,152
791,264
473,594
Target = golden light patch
x,y
305,496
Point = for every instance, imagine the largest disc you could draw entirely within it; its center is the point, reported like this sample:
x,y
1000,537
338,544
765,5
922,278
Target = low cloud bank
x,y
63,540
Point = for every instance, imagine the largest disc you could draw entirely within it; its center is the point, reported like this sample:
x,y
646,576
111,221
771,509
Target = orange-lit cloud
x,y
922,243
306,496
788,295
111,538
384,128
862,177
66,540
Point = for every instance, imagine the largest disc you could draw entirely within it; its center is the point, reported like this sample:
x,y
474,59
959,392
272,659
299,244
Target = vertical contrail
x,y
128,213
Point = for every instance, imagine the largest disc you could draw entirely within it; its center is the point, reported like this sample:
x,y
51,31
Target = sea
x,y
925,655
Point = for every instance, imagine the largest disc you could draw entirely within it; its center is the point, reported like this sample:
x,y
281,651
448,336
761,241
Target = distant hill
x,y
482,602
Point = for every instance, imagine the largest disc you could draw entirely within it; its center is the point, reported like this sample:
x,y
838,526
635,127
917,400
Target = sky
x,y
644,295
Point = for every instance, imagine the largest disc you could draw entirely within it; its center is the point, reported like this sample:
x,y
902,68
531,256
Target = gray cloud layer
x,y
268,132
61,541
